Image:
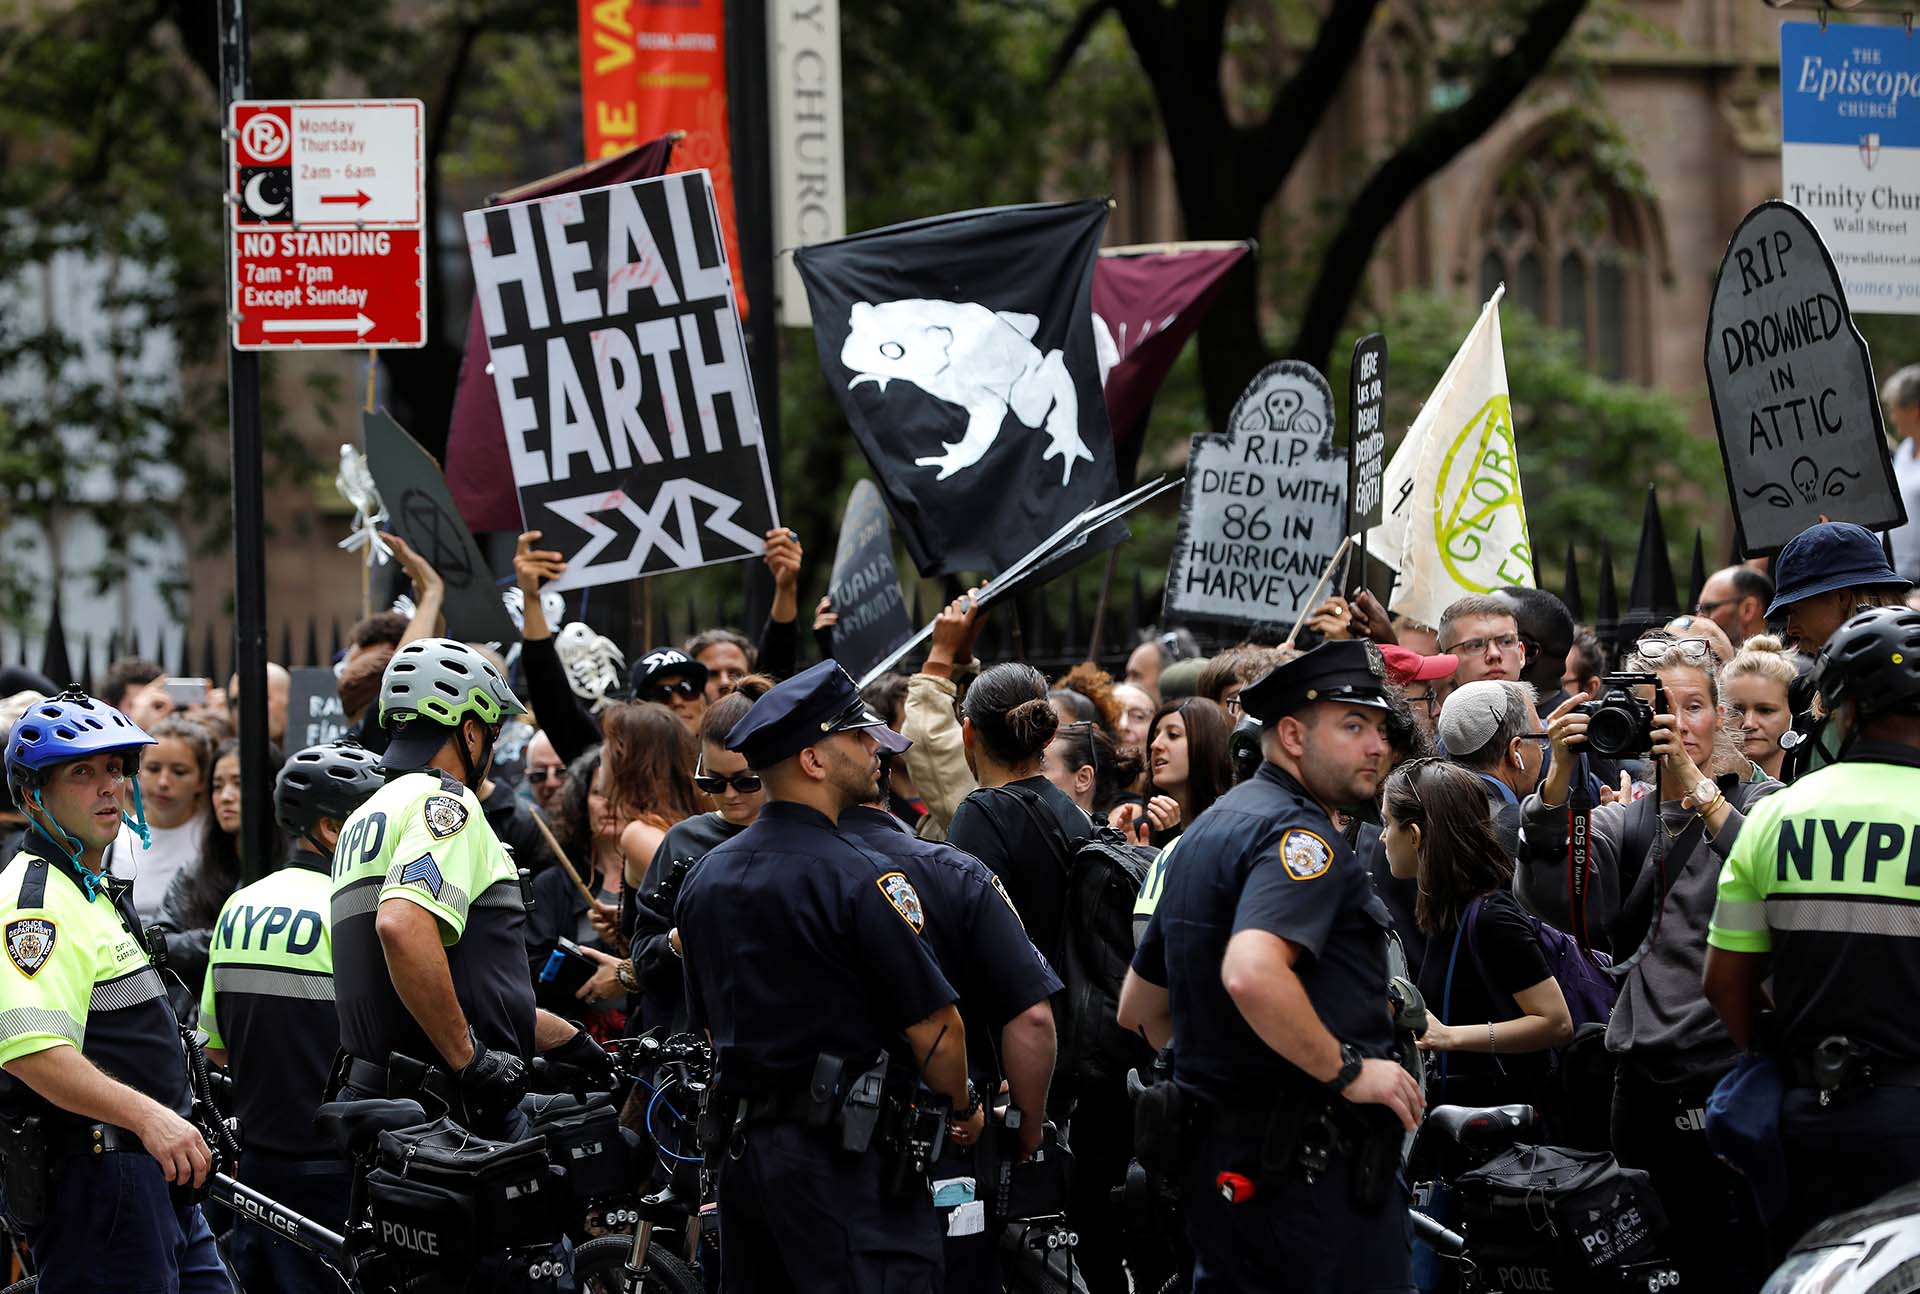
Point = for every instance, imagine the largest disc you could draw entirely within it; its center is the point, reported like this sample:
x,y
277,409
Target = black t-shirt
x,y
513,823
1510,961
646,917
994,826
1265,857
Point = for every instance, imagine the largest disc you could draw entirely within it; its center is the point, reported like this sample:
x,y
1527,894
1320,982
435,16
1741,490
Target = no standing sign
x,y
326,224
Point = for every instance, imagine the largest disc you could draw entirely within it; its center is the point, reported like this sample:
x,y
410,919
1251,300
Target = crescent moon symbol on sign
x,y
257,204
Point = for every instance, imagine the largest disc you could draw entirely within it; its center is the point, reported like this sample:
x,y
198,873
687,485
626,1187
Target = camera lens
x,y
1611,731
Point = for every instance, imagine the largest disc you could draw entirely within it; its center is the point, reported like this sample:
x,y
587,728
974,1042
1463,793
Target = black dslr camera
x,y
1243,749
1620,724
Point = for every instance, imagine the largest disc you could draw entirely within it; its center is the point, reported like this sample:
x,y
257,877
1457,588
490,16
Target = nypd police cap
x,y
813,704
1350,672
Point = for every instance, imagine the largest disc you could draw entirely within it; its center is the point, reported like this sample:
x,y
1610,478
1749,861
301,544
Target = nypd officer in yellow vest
x,y
268,1010
430,957
1822,893
96,1089
1265,967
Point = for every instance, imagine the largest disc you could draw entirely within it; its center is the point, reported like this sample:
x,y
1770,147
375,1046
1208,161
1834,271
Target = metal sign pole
x,y
249,528
751,146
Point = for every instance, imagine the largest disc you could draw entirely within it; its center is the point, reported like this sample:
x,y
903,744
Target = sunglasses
x,y
714,784
539,776
684,688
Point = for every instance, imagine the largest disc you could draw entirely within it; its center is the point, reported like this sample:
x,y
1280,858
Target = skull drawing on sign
x,y
1806,478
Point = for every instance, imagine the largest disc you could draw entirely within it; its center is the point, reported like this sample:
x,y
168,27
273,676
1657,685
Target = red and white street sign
x,y
327,225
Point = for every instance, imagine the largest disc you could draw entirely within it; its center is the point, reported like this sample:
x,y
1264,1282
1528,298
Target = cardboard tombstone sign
x,y
1794,399
871,614
1265,505
422,512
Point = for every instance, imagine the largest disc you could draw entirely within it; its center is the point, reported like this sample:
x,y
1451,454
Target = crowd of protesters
x,y
608,796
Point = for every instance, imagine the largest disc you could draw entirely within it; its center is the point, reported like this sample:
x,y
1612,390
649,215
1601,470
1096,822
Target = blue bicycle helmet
x,y
72,726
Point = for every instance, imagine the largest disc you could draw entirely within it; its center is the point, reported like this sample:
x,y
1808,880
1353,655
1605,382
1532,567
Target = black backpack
x,y
1104,874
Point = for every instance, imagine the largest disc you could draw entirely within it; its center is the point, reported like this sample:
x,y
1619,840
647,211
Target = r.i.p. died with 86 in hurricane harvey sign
x,y
622,376
1265,505
1792,388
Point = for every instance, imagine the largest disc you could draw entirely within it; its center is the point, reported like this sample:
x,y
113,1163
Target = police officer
x,y
1265,965
267,1006
1004,984
1818,893
429,956
92,1052
806,955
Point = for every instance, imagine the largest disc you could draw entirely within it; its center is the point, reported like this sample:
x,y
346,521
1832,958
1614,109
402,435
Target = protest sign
x,y
420,510
1366,432
314,713
871,614
1265,505
1456,521
622,378
1792,388
1089,532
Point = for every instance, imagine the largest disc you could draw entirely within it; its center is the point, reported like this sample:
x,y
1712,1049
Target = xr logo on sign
x,y
437,535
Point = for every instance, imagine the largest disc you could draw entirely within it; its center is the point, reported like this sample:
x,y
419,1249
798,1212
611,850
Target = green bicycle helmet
x,y
430,686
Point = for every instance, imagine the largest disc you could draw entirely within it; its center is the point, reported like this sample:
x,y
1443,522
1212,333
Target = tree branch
x,y
1083,24
1302,103
1438,140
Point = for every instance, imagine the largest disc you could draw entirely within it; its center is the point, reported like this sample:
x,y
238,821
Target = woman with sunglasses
x,y
1652,879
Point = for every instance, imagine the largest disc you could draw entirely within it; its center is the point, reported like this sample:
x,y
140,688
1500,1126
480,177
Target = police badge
x,y
901,894
30,943
445,815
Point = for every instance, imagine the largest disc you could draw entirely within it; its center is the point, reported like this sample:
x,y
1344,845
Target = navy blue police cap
x,y
815,703
1347,672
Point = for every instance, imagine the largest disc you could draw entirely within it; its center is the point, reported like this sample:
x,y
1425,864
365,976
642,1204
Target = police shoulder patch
x,y
445,815
425,873
1305,855
905,899
30,943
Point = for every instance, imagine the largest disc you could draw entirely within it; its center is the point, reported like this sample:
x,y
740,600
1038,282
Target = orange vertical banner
x,y
608,87
680,79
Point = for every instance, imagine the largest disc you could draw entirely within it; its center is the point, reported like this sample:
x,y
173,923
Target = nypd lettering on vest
x,y
30,943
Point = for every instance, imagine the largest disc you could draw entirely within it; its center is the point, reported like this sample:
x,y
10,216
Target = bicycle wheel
x,y
26,1286
600,1267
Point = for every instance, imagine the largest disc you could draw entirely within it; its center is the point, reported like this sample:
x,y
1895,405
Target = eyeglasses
x,y
1232,704
539,776
684,688
1478,646
1429,698
1655,651
714,784
1540,737
1708,608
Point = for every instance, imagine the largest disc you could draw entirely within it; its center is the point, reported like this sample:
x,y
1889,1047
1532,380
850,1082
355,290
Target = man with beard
x,y
1269,951
806,965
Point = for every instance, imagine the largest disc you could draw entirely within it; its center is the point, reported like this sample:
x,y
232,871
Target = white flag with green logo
x,y
1455,521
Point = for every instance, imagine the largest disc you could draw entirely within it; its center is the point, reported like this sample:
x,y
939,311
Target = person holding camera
x,y
1647,895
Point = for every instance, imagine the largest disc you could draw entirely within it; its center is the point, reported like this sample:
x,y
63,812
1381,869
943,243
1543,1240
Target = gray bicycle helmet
x,y
430,686
325,781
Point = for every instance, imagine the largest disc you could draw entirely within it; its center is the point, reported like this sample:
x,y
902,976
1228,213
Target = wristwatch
x,y
1350,1059
1705,792
973,1105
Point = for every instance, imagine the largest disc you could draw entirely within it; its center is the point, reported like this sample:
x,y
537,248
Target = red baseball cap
x,y
1405,666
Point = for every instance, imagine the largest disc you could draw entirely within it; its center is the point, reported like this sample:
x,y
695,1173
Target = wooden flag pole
x,y
1313,599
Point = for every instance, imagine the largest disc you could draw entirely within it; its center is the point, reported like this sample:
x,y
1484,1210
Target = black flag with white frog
x,y
961,349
